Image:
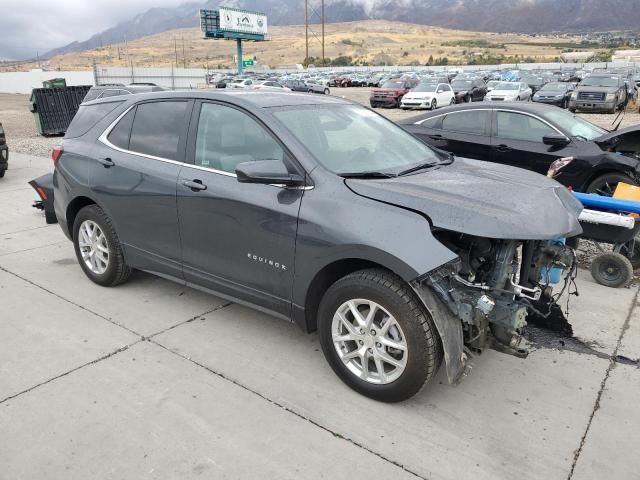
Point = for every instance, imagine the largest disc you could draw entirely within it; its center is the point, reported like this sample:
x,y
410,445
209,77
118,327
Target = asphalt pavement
x,y
155,380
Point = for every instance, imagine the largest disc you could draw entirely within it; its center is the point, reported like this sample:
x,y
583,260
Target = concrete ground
x,y
155,380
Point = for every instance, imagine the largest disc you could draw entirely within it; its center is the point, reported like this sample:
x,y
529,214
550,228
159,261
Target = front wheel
x,y
98,249
434,104
606,184
2,172
377,335
468,99
326,91
453,101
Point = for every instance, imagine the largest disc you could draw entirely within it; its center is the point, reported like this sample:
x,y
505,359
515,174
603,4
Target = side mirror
x,y
556,140
267,172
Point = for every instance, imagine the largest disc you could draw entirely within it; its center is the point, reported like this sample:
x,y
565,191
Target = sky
x,y
31,26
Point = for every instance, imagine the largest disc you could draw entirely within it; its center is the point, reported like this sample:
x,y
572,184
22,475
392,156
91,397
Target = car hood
x,y
482,199
388,90
419,95
624,140
586,88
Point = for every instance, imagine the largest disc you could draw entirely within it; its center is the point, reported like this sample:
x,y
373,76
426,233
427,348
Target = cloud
x,y
36,26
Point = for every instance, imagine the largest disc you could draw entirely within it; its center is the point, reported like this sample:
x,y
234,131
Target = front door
x,y
237,239
517,141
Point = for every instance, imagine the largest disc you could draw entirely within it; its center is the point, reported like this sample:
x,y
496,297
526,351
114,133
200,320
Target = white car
x,y
240,83
509,92
269,85
428,95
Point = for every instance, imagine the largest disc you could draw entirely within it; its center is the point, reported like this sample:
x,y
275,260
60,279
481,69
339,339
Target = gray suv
x,y
319,211
599,92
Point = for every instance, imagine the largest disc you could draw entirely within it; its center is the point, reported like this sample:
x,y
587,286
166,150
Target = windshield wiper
x,y
422,166
366,175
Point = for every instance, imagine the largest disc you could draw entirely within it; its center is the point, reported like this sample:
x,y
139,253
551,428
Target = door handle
x,y
106,162
195,185
501,148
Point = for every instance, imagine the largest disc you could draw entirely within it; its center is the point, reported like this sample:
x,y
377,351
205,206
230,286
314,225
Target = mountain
x,y
525,16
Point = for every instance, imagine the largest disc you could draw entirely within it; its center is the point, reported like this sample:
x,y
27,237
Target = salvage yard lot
x,y
155,380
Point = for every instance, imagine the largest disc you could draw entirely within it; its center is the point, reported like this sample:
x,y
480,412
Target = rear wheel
x,y
98,249
606,184
377,335
2,172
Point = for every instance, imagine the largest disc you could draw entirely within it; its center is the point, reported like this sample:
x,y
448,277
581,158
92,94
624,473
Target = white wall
x,y
24,82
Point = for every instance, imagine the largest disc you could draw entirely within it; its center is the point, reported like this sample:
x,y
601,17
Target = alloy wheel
x,y
93,247
369,341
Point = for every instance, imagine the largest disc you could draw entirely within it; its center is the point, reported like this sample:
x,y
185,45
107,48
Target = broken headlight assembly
x,y
494,286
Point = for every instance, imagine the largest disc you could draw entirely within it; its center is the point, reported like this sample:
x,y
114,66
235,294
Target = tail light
x,y
41,193
56,152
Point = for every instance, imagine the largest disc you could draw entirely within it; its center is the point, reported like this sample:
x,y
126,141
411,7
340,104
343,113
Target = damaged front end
x,y
490,290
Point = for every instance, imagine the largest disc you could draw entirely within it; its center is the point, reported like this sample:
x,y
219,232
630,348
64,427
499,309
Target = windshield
x,y
461,83
557,87
425,87
599,82
393,85
353,139
507,86
576,126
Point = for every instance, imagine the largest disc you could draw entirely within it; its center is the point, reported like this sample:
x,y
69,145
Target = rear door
x,y
466,133
517,141
237,239
134,176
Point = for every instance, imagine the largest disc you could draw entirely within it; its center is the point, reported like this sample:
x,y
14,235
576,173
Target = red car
x,y
343,81
391,92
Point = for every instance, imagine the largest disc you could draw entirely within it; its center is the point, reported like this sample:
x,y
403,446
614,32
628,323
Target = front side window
x,y
471,121
227,137
156,128
517,126
352,139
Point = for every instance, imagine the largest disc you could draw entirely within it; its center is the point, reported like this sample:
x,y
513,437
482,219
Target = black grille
x,y
592,96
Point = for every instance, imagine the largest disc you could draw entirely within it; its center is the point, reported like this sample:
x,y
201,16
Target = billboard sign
x,y
242,21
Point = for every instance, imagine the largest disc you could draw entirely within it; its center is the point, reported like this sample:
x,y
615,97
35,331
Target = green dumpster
x,y
55,83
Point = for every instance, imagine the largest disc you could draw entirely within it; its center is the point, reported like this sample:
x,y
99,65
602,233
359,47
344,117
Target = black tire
x,y
572,110
424,348
434,104
565,104
606,184
2,172
117,270
326,91
399,102
468,99
453,101
611,269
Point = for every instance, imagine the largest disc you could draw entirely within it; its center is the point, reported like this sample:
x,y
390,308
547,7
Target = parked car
x,y
240,83
4,152
532,136
319,211
468,90
491,84
509,92
554,93
269,85
390,94
315,87
428,95
114,90
297,85
534,82
599,92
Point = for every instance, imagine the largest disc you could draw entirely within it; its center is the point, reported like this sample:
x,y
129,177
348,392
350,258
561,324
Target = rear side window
x,y
119,136
156,128
87,116
471,121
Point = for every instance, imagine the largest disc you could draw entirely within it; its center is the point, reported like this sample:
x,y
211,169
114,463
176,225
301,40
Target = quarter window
x,y
471,121
517,126
119,136
227,137
156,128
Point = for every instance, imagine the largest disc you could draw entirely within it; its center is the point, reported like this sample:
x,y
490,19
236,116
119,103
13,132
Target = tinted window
x,y
87,116
119,136
517,126
432,122
156,128
113,93
227,137
472,121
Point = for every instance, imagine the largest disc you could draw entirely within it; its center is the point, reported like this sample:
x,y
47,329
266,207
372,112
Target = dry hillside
x,y
372,41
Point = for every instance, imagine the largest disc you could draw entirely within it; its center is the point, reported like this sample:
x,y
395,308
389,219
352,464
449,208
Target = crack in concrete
x,y
192,319
26,230
291,411
60,297
612,363
34,248
92,362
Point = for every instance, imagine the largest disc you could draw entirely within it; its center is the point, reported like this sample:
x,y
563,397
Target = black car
x,y
554,93
319,211
469,90
4,152
533,136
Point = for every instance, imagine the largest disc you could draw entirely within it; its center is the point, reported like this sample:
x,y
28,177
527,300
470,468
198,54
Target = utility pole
x,y
175,49
322,32
184,58
306,30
